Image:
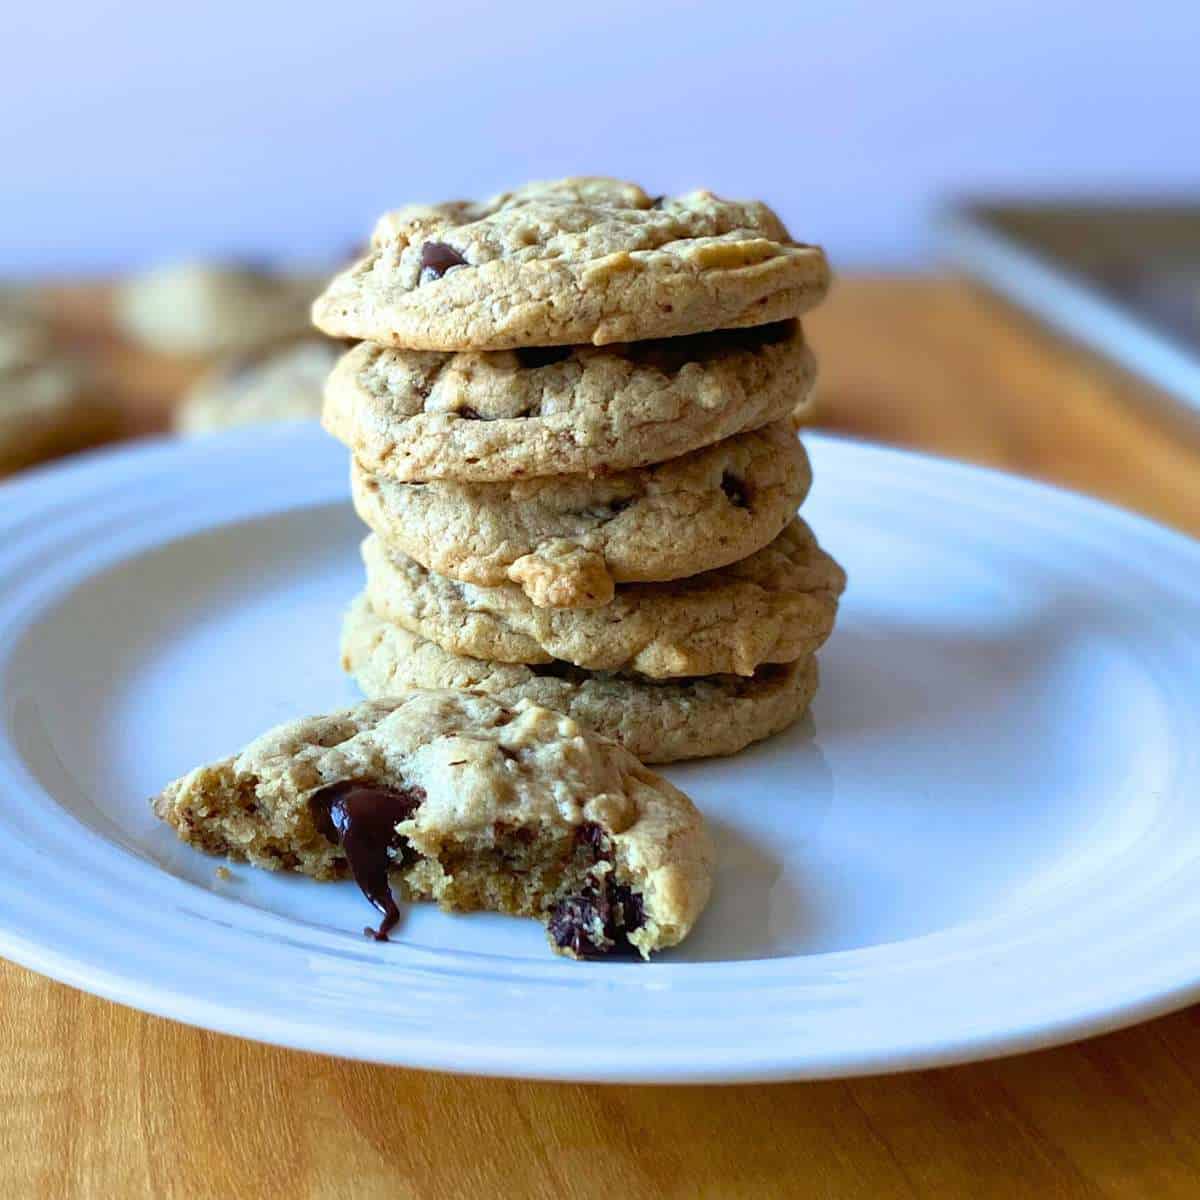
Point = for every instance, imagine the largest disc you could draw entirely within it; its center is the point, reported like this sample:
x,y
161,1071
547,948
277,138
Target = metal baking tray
x,y
1122,279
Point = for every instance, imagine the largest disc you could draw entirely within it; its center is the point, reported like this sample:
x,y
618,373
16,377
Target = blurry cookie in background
x,y
24,333
281,385
206,309
49,404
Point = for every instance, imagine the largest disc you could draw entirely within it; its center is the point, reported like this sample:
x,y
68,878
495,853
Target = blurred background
x,y
138,135
137,130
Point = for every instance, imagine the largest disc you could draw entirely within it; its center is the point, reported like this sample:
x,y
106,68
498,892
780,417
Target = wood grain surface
x,y
98,1100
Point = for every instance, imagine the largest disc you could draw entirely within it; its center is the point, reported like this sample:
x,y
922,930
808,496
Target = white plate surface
x,y
986,839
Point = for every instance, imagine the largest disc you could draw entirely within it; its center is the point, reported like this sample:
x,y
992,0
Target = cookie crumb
x,y
223,873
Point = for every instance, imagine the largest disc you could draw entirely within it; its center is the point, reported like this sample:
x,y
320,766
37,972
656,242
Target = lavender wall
x,y
142,129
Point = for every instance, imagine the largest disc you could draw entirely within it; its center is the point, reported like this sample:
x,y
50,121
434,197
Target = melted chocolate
x,y
362,819
437,258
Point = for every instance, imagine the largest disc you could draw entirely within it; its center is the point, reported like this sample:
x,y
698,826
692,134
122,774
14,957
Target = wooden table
x,y
99,1100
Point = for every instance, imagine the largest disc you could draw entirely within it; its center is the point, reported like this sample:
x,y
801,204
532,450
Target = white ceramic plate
x,y
986,840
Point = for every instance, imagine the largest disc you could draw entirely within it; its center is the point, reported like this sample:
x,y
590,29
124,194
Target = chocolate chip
x,y
632,909
467,413
735,490
436,259
593,836
541,356
362,819
576,920
657,202
598,920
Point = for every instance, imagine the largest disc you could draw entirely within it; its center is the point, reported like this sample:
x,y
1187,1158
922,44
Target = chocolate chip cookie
x,y
469,802
659,721
477,417
568,539
778,605
214,308
281,385
571,261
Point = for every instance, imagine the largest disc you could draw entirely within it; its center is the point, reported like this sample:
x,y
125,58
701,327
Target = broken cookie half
x,y
454,797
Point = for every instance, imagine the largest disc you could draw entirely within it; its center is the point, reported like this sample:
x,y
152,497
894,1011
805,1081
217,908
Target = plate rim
x,y
449,1056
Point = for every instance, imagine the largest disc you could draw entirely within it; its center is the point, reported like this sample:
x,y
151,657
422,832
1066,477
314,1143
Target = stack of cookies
x,y
572,413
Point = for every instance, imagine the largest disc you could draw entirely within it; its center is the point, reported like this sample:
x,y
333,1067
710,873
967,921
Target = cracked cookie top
x,y
778,605
417,415
571,261
569,539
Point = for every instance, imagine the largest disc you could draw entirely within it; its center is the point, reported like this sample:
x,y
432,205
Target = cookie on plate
x,y
659,721
477,417
567,539
281,385
778,605
474,804
210,308
571,261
